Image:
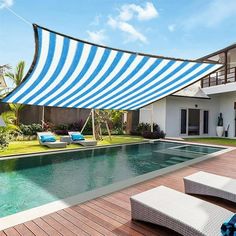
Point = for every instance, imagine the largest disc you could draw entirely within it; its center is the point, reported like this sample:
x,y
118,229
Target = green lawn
x,y
23,147
216,141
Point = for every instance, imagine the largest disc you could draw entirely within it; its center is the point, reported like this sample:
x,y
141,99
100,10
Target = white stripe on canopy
x,y
69,72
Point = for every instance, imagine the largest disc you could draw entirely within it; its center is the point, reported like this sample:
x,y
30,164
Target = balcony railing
x,y
219,77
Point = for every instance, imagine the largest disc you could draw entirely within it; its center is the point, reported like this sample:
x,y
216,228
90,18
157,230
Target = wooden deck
x,y
110,215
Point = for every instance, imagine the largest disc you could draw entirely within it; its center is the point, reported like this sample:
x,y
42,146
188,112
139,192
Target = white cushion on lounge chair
x,y
182,213
205,183
83,142
56,144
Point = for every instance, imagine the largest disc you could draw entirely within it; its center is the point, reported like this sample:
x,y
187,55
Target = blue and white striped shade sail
x,y
68,72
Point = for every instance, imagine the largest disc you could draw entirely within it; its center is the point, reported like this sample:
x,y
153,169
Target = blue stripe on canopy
x,y
69,72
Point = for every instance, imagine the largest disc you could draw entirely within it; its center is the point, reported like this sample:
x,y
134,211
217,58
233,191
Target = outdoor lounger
x,y
204,183
180,212
82,142
56,144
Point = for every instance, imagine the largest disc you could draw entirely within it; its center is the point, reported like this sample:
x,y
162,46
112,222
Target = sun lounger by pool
x,y
180,212
204,183
82,142
56,144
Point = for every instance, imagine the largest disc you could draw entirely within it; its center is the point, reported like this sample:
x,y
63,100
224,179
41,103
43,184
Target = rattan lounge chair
x,y
83,142
180,212
204,183
56,144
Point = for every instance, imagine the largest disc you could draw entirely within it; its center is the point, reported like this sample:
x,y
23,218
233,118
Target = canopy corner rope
x,y
69,72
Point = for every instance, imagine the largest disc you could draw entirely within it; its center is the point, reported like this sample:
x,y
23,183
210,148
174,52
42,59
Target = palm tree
x,y
17,78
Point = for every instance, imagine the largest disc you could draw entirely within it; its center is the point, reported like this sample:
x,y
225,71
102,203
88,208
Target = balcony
x,y
219,77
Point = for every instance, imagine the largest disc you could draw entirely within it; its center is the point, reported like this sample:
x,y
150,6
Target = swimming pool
x,y
29,182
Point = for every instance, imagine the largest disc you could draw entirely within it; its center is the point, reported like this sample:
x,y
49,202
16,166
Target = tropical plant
x,y
16,108
31,129
9,119
5,131
18,76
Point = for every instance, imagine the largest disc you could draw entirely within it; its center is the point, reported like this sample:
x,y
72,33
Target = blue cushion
x,y
77,137
47,138
228,228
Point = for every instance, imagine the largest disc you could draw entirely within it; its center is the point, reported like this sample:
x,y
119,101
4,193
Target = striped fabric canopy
x,y
67,72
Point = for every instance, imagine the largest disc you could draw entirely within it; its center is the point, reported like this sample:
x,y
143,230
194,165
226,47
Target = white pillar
x,y
93,124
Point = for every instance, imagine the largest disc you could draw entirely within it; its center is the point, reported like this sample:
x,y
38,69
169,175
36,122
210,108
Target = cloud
x,y
97,36
6,3
128,12
131,33
213,14
142,13
96,20
172,27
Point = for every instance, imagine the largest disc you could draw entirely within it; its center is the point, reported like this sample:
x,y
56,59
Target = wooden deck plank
x,y
110,214
79,220
11,232
46,227
73,228
23,230
57,226
35,228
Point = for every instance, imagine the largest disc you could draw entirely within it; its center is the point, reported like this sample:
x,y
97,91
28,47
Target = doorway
x,y
193,121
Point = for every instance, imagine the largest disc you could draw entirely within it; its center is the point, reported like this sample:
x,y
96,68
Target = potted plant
x,y
220,127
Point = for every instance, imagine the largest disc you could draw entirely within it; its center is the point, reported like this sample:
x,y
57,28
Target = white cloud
x,y
128,12
142,13
6,3
172,27
96,20
213,14
97,36
131,33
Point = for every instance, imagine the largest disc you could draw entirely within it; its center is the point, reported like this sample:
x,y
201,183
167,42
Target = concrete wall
x,y
159,114
173,116
226,106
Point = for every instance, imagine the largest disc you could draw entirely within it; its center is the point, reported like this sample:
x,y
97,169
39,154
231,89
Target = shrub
x,y
4,140
30,129
76,126
153,135
142,127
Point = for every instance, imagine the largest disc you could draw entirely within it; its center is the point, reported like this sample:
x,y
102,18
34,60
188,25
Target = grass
x,y
216,141
25,147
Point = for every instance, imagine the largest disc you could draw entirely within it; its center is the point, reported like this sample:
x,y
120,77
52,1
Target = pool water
x,y
33,181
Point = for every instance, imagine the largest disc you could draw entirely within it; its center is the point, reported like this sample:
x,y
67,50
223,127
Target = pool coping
x,y
58,151
33,213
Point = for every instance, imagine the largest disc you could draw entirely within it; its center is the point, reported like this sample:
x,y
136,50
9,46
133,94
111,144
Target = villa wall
x,y
173,116
226,106
159,114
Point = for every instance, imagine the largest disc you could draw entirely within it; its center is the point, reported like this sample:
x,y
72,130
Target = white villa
x,y
194,111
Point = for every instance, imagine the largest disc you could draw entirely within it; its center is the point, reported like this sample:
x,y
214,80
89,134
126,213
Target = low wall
x,y
56,115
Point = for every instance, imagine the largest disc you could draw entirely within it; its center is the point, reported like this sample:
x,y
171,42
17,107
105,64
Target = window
x,y
183,121
205,121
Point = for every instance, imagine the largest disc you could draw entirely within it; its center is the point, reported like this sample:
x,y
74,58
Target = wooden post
x,y
152,119
108,130
43,114
85,123
93,124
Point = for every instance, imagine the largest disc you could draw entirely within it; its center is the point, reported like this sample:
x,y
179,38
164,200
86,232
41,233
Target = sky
x,y
183,28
